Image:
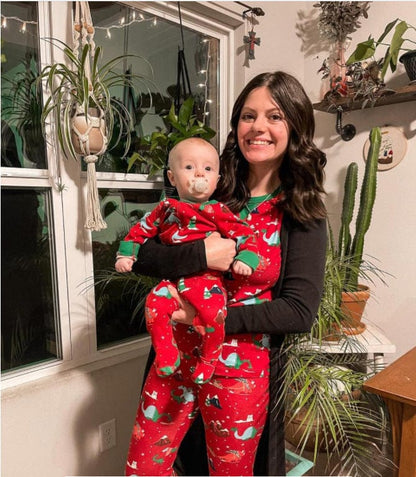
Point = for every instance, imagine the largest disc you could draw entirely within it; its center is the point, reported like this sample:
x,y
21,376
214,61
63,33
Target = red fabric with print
x,y
169,404
177,221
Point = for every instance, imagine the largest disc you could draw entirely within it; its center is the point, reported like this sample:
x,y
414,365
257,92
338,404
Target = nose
x,y
199,172
258,124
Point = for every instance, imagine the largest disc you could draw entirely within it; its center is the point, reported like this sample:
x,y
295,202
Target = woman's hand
x,y
219,252
186,312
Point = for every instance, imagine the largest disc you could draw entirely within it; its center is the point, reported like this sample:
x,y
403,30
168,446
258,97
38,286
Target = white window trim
x,y
73,243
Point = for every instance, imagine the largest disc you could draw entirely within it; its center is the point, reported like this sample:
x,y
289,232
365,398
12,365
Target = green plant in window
x,y
22,108
154,148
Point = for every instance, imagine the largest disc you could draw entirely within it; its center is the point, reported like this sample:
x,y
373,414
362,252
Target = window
x,y
29,325
53,317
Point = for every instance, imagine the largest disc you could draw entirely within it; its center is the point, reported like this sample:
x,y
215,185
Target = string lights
x,y
23,23
134,18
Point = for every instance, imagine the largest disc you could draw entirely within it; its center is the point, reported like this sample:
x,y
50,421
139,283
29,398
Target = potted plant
x,y
85,113
367,49
326,411
350,248
80,90
154,148
336,22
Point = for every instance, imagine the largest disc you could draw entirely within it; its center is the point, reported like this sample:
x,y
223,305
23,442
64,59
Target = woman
x,y
269,165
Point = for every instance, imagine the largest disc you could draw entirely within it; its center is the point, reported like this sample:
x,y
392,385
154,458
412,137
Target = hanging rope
x,y
89,133
183,85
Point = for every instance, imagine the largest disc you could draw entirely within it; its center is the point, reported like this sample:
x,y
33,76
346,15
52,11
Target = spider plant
x,y
70,87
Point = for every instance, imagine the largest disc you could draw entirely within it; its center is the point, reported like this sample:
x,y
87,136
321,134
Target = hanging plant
x,y
337,20
73,94
83,111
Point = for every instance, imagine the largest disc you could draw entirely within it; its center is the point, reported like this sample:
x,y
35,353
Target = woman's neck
x,y
262,182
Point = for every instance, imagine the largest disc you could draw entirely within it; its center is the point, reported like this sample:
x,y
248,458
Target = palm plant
x,y
81,83
327,411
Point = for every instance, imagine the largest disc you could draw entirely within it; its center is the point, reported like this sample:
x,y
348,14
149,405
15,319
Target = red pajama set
x,y
233,403
176,221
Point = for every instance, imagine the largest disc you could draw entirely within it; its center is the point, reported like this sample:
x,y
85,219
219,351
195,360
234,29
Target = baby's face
x,y
194,171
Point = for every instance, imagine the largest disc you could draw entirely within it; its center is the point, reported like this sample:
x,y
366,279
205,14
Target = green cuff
x,y
249,258
128,248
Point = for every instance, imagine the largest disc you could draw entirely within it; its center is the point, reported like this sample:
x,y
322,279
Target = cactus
x,y
367,198
350,188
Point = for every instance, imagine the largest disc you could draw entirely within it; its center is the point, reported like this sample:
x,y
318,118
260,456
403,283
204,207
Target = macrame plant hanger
x,y
83,33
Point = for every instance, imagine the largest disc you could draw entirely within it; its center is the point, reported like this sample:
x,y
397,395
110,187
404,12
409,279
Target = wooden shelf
x,y
402,95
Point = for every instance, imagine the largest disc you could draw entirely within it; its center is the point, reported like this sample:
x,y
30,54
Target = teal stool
x,y
302,465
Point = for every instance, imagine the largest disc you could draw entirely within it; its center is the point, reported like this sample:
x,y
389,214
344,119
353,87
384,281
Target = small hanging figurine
x,y
251,39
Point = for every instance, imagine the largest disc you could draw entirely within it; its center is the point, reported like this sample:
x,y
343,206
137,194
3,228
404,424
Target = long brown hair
x,y
302,170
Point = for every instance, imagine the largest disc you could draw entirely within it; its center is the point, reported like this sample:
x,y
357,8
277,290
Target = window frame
x,y
72,242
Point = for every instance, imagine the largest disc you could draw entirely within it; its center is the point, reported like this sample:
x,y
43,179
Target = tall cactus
x,y
367,198
348,204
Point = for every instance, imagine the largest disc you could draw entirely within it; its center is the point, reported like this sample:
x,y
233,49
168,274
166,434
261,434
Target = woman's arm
x,y
302,282
174,261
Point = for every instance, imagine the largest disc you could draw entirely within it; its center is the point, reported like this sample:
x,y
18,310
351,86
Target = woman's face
x,y
263,132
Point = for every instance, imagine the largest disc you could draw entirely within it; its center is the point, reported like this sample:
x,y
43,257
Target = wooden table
x,y
396,384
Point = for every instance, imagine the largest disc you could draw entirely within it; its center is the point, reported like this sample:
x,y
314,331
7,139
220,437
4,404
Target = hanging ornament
x,y
251,39
89,131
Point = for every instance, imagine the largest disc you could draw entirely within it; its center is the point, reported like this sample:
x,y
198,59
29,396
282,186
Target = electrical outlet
x,y
107,432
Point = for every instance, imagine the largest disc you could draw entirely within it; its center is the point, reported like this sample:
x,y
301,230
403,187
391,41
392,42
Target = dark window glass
x,y
118,297
28,305
22,143
123,30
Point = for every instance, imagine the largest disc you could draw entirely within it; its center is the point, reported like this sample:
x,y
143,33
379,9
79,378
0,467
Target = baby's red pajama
x,y
176,221
207,294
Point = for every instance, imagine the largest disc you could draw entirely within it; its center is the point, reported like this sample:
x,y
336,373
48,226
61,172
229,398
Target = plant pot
x,y
409,62
352,307
88,133
294,429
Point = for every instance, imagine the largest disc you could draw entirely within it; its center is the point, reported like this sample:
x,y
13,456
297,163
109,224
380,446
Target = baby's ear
x,y
171,177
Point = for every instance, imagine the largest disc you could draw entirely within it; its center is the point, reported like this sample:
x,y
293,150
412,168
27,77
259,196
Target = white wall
x,y
49,428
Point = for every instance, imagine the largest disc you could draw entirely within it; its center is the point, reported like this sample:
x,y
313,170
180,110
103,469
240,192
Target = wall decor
x,y
392,149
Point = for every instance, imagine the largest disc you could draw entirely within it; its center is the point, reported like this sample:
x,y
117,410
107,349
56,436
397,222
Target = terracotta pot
x,y
352,306
294,429
89,133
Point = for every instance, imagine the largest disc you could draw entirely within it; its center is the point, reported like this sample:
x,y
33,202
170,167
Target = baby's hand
x,y
241,268
124,264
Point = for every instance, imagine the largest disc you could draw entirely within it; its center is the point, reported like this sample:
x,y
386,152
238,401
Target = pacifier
x,y
200,184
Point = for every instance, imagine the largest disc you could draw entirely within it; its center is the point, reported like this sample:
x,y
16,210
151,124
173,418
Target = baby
x,y
194,171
